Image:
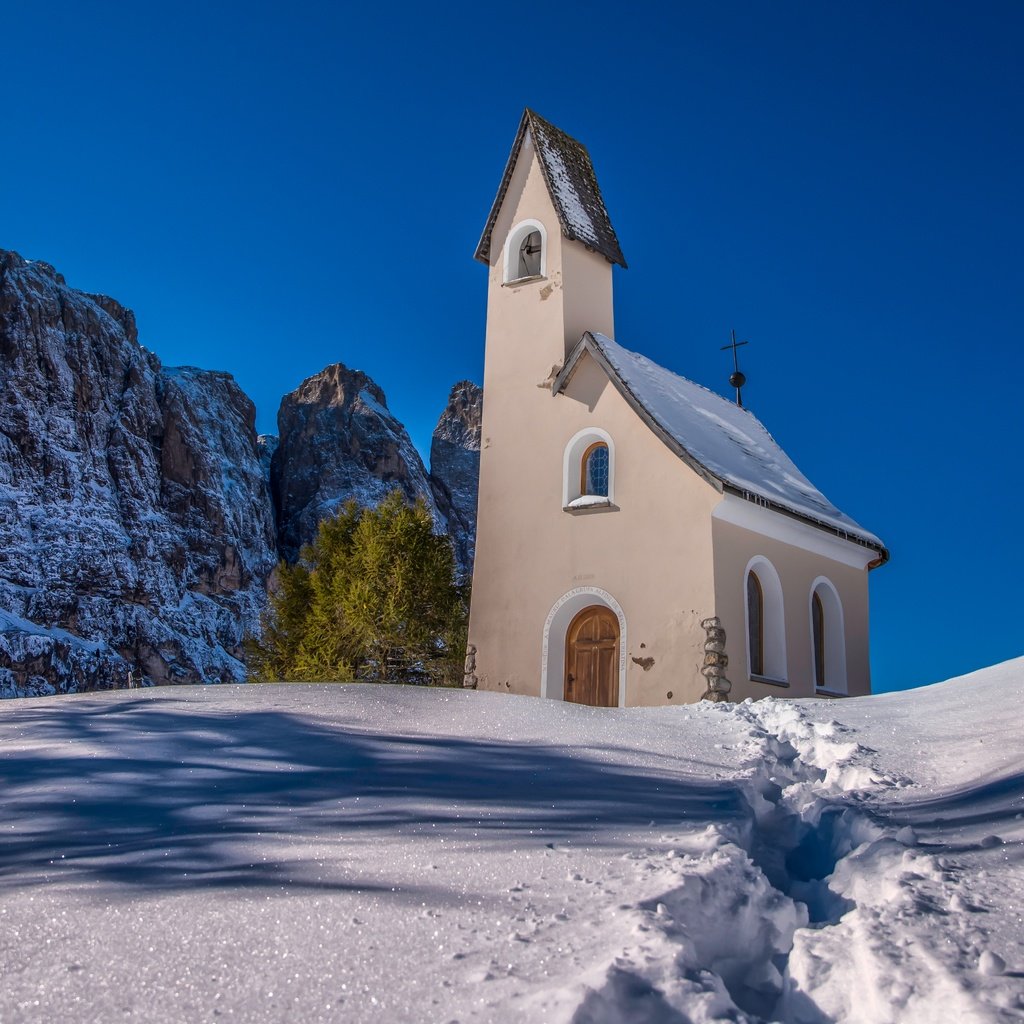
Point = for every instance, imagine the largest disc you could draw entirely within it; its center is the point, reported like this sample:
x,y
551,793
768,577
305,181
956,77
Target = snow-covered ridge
x,y
339,441
455,468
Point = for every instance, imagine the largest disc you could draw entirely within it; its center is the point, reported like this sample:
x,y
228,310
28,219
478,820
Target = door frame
x,y
563,611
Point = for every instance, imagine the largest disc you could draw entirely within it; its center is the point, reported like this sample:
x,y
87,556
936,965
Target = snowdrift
x,y
317,853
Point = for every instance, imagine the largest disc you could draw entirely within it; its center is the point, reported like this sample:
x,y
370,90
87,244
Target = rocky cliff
x,y
337,440
136,524
455,468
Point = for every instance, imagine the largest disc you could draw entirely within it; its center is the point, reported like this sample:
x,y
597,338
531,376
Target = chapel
x,y
640,539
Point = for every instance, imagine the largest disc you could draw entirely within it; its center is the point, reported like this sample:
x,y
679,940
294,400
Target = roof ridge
x,y
709,391
689,380
532,115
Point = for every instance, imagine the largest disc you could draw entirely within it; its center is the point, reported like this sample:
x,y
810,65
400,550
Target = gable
x,y
571,184
724,443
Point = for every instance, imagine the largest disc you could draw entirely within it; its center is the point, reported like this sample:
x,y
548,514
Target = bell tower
x,y
549,248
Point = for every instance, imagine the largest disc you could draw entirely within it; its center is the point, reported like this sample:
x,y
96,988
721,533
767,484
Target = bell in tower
x,y
529,255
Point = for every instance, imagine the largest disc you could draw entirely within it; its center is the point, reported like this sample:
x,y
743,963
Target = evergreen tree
x,y
373,597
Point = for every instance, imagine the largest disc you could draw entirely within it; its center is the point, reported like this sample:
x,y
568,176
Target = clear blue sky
x,y
274,187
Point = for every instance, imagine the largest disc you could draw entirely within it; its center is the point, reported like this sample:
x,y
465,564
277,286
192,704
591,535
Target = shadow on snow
x,y
183,798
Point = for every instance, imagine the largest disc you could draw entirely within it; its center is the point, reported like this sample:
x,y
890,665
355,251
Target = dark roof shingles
x,y
572,185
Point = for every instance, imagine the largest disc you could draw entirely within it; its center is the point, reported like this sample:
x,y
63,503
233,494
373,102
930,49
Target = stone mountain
x,y
455,467
338,440
137,527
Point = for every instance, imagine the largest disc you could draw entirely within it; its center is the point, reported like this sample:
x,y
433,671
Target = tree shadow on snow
x,y
184,798
963,820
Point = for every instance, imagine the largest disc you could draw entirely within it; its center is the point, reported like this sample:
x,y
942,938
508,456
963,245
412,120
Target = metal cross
x,y
736,378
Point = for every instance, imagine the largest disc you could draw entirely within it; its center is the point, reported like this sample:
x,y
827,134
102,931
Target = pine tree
x,y
374,597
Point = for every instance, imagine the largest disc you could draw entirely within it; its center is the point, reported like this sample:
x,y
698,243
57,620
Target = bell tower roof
x,y
572,185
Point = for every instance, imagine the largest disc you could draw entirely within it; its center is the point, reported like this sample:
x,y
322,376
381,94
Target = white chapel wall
x,y
652,552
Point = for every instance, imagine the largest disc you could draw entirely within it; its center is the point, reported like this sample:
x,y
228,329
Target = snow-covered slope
x,y
316,853
136,525
926,816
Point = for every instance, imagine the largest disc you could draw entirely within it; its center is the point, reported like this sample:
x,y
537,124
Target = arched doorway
x,y
592,658
556,634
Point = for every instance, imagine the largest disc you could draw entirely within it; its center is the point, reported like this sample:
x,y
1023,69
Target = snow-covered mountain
x,y
137,529
136,524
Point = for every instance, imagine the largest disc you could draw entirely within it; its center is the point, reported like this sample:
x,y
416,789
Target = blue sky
x,y
276,187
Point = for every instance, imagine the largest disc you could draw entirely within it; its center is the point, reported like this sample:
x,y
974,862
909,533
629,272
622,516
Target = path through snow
x,y
384,854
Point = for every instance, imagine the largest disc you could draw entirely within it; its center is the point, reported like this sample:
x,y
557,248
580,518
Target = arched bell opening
x,y
525,252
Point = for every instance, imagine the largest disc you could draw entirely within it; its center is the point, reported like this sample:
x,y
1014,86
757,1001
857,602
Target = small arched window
x,y
828,640
594,470
755,624
588,471
525,252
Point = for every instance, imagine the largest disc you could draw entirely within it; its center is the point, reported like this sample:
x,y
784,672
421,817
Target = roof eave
x,y
847,535
619,260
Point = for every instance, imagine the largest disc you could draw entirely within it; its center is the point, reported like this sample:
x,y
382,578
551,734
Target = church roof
x,y
724,443
572,185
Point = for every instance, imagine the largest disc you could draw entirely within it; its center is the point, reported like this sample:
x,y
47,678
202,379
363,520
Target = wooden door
x,y
592,658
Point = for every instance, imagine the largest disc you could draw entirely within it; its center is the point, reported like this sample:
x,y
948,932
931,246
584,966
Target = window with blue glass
x,y
594,476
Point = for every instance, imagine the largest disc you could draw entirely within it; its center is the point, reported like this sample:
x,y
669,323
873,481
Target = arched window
x,y
755,624
594,470
588,471
818,635
828,640
766,625
525,252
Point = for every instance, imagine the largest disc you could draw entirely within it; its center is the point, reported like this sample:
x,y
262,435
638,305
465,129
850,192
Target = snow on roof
x,y
572,185
717,438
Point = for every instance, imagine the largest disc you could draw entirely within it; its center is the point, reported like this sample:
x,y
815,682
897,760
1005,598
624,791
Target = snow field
x,y
902,878
308,853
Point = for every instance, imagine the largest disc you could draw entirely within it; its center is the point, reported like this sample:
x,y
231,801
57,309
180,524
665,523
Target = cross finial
x,y
736,378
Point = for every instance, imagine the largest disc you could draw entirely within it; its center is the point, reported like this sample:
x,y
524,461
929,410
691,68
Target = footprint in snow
x,y
991,964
